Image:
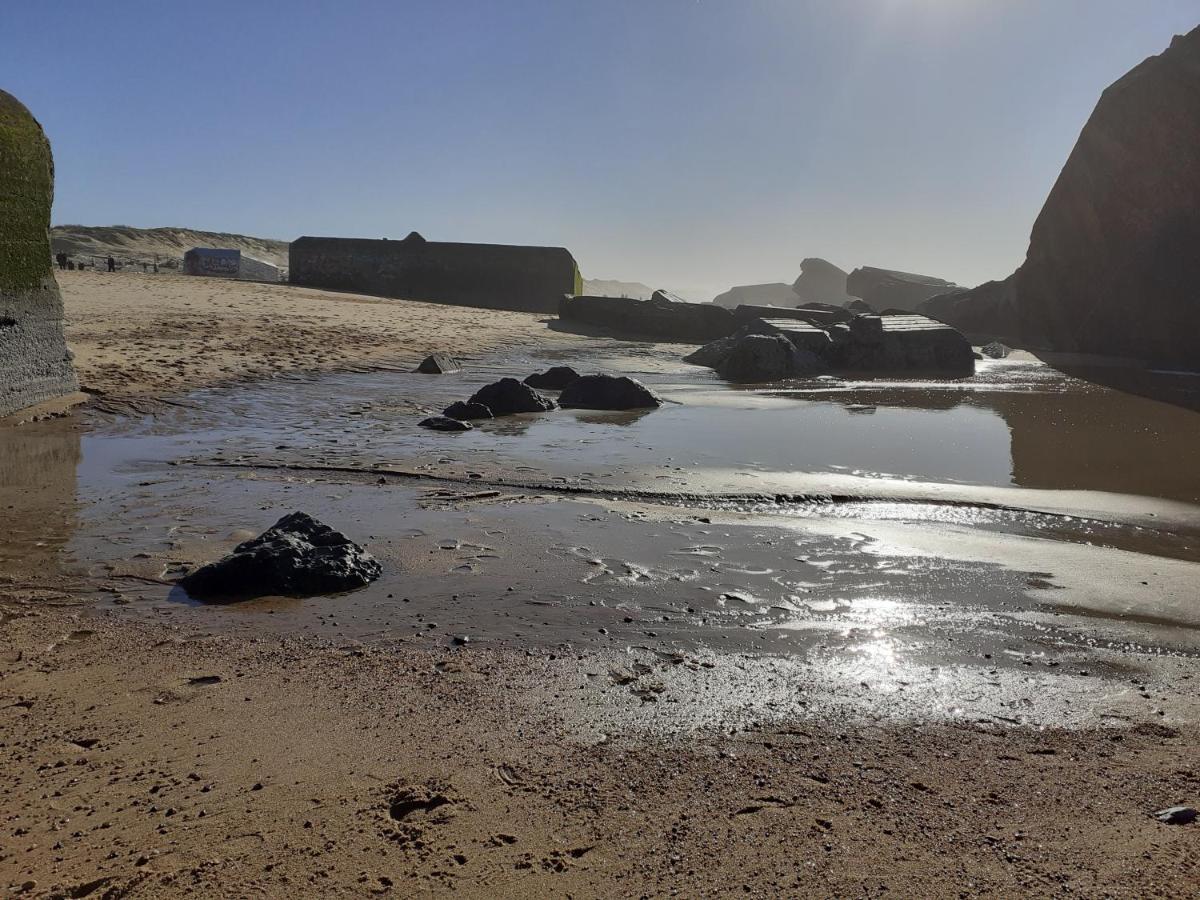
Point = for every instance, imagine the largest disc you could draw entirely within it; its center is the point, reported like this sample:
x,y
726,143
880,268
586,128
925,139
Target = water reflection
x,y
38,507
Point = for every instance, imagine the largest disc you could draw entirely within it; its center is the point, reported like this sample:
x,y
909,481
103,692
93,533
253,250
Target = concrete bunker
x,y
34,362
491,276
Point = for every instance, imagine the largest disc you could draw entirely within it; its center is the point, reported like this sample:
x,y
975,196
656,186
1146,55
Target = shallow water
x,y
1017,516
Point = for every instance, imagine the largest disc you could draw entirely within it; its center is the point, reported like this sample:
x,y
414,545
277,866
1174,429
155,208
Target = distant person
x,y
61,259
112,264
145,268
71,265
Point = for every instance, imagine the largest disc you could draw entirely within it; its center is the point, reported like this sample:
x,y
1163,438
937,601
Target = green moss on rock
x,y
26,192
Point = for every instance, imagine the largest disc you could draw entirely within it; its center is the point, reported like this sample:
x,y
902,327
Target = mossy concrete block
x,y
34,362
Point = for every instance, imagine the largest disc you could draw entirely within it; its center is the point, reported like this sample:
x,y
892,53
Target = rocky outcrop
x,y
509,396
1113,265
824,313
887,288
657,318
608,392
296,557
820,281
34,362
777,294
553,379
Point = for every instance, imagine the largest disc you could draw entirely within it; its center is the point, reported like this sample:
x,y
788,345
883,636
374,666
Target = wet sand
x,y
796,639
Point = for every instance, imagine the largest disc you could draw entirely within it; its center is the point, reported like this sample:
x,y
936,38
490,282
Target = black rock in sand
x,y
296,557
439,364
466,411
445,423
508,396
608,392
553,379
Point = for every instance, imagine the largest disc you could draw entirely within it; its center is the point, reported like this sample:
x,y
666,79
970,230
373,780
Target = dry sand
x,y
142,759
150,336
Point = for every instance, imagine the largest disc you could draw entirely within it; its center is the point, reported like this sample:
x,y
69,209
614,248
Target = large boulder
x,y
820,281
903,343
508,396
818,313
553,379
608,392
884,288
658,318
296,557
758,358
1113,265
34,362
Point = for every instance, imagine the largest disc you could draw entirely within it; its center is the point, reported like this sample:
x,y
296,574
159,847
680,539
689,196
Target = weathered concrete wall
x,y
492,276
34,363
213,262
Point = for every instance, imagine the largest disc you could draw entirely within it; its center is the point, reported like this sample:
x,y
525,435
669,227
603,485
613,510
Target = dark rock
x,y
804,336
508,396
656,318
883,288
1112,266
1177,815
980,313
758,358
439,364
466,411
553,379
608,392
296,557
860,306
713,353
665,296
445,423
820,281
995,350
902,344
777,294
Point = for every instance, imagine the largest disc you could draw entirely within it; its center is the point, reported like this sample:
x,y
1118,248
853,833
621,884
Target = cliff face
x,y
34,364
1113,265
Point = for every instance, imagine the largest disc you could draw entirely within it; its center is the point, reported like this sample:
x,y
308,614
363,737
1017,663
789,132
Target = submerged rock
x,y
553,379
608,392
465,411
445,423
508,396
296,557
439,364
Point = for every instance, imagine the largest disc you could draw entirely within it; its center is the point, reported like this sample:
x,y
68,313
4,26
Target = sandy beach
x,y
600,662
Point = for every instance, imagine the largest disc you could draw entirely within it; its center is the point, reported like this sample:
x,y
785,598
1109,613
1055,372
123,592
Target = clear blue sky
x,y
686,143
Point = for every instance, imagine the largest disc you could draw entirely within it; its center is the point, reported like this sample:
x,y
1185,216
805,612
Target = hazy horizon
x,y
682,144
